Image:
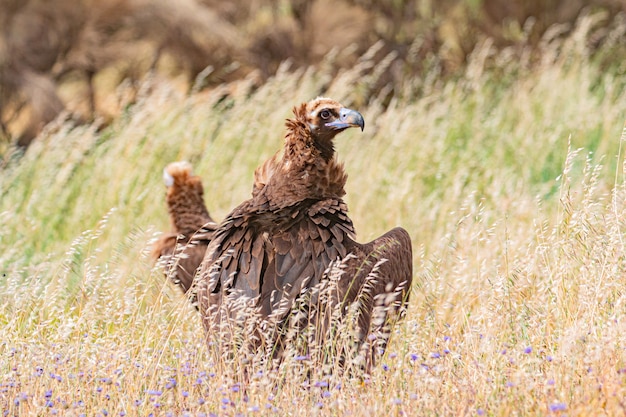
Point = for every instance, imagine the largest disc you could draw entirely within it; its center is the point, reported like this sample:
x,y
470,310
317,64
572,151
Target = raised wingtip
x,y
174,170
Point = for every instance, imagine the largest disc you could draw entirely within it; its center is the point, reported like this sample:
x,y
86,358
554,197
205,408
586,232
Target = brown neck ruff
x,y
307,165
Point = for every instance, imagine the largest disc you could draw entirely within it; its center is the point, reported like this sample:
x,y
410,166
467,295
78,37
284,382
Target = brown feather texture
x,y
181,250
284,267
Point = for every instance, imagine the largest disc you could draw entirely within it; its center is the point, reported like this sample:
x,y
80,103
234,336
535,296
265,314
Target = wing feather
x,y
273,266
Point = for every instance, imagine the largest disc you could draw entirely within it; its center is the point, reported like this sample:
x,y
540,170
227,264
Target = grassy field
x,y
509,181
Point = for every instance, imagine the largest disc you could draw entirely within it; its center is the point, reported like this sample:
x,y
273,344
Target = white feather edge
x,y
167,178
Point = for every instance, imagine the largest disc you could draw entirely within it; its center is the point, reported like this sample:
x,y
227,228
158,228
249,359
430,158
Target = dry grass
x,y
518,303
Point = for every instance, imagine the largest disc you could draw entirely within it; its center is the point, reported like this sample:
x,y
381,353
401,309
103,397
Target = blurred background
x,y
84,58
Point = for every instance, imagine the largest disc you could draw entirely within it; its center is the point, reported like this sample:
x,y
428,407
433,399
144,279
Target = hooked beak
x,y
347,118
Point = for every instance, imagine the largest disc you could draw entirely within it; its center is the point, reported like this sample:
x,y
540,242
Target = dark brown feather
x,y
300,227
183,249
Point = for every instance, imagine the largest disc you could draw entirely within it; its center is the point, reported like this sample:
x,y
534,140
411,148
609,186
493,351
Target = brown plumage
x,y
273,250
183,248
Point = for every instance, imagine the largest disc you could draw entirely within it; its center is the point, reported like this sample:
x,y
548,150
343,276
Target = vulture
x,y
276,254
182,249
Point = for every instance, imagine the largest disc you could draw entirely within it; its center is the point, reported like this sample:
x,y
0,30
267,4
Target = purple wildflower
x,y
528,350
558,407
435,355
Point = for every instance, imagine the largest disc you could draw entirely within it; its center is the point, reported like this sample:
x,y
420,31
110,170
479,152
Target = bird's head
x,y
325,118
318,122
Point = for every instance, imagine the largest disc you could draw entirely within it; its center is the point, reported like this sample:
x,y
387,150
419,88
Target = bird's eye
x,y
325,114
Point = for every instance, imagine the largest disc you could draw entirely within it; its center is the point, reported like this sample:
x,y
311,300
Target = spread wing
x,y
381,274
236,254
274,265
386,262
181,255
